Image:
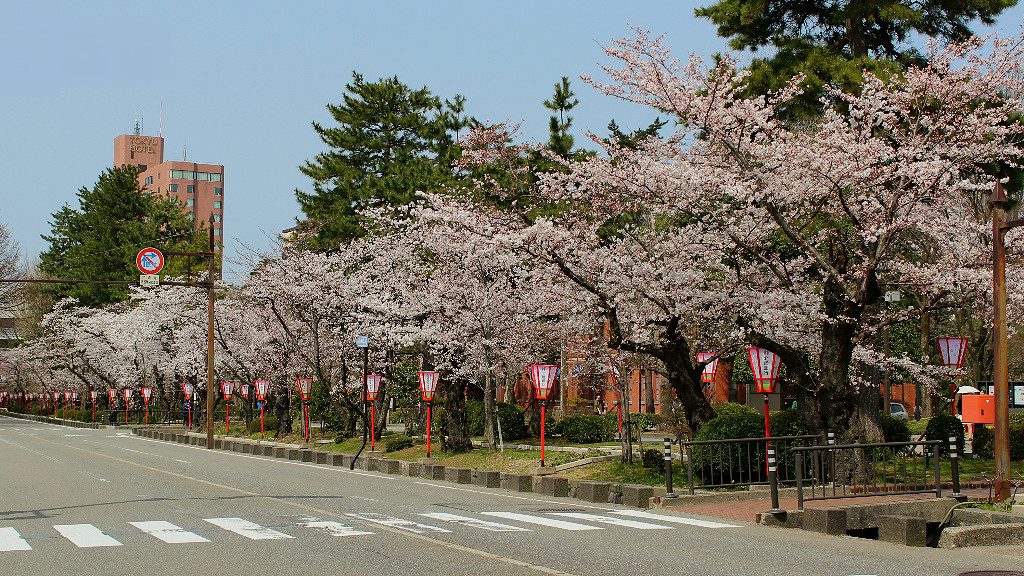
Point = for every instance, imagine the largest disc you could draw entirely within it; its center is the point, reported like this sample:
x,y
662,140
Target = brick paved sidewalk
x,y
747,510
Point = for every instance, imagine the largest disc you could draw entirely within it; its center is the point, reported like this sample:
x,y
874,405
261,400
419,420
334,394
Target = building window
x,y
216,217
190,202
215,177
218,204
191,188
216,231
149,180
218,191
190,216
172,188
183,174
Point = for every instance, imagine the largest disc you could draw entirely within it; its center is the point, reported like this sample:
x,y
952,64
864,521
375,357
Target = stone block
x,y
593,491
554,486
517,482
433,471
984,535
237,446
410,468
335,459
459,475
487,478
307,455
637,496
294,453
905,530
390,466
218,444
321,457
248,448
825,520
280,452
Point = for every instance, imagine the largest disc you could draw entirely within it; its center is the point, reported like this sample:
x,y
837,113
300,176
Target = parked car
x,y
898,410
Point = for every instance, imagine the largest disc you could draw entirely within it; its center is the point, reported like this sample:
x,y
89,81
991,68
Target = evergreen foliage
x,y
389,142
100,239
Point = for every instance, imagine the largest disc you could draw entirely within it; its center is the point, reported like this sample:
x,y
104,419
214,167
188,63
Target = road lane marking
x,y
250,530
467,550
475,523
331,527
408,525
550,522
672,519
10,540
168,532
85,535
93,476
47,456
613,521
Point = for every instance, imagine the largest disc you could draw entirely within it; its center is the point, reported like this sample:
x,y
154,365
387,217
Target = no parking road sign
x,y
150,261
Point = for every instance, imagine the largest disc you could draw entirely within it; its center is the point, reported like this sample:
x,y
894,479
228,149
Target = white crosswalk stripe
x,y
550,522
248,529
672,519
613,521
10,540
393,522
85,535
473,522
168,532
332,528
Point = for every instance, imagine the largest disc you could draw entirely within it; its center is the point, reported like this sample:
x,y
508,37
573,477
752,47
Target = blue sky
x,y
241,82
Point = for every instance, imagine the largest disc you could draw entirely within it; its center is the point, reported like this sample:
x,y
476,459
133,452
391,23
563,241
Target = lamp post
x,y
127,403
428,385
707,375
891,296
1001,368
304,386
92,402
953,351
543,376
227,388
147,393
187,389
372,388
112,397
765,364
261,394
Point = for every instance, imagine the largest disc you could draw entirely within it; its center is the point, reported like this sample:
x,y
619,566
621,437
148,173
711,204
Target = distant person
x,y
113,417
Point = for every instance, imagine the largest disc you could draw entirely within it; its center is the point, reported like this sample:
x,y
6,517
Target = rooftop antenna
x,y
138,131
161,119
142,123
184,152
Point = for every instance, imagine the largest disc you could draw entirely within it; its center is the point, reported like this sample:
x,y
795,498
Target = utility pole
x,y
209,342
1001,370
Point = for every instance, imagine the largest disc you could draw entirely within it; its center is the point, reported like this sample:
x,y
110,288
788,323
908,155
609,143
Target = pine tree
x,y
560,141
389,142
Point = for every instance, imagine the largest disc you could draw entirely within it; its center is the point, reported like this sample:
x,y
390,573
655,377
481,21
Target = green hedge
x,y
513,423
941,427
582,429
719,464
397,442
984,439
894,429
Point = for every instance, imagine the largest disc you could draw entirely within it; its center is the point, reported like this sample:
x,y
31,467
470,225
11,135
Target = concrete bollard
x,y
459,475
487,478
554,486
637,496
517,482
593,491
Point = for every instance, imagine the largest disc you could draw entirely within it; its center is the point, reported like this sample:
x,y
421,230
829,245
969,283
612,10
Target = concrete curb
x,y
54,421
985,535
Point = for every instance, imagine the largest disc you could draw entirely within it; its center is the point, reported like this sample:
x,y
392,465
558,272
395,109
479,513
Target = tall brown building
x,y
198,187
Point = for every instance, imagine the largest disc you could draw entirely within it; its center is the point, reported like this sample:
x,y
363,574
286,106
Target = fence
x,y
740,462
859,470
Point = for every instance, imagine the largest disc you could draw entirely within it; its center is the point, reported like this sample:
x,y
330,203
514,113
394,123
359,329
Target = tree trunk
x,y
648,392
926,339
282,410
456,436
489,408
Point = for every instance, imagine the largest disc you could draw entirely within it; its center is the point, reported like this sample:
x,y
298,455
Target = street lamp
x,y
112,397
765,364
92,401
147,393
707,375
543,376
372,388
127,403
226,388
261,394
428,385
304,386
953,351
187,388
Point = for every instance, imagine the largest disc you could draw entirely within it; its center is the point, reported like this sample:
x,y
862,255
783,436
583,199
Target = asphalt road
x,y
75,501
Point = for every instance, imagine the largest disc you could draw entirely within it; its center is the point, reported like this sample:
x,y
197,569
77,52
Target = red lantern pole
x,y
543,376
543,415
373,426
428,429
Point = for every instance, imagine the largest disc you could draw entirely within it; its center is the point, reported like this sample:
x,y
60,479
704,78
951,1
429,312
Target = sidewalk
x,y
748,510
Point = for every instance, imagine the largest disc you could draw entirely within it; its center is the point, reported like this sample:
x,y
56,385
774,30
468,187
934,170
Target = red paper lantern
x,y
304,386
226,388
373,386
764,364
428,384
953,351
543,376
262,386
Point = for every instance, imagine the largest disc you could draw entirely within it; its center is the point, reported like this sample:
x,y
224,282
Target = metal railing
x,y
741,461
860,470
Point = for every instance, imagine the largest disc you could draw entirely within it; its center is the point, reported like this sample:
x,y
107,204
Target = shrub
x,y
894,429
653,460
984,442
941,427
582,429
475,417
270,424
717,463
513,424
788,423
397,442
